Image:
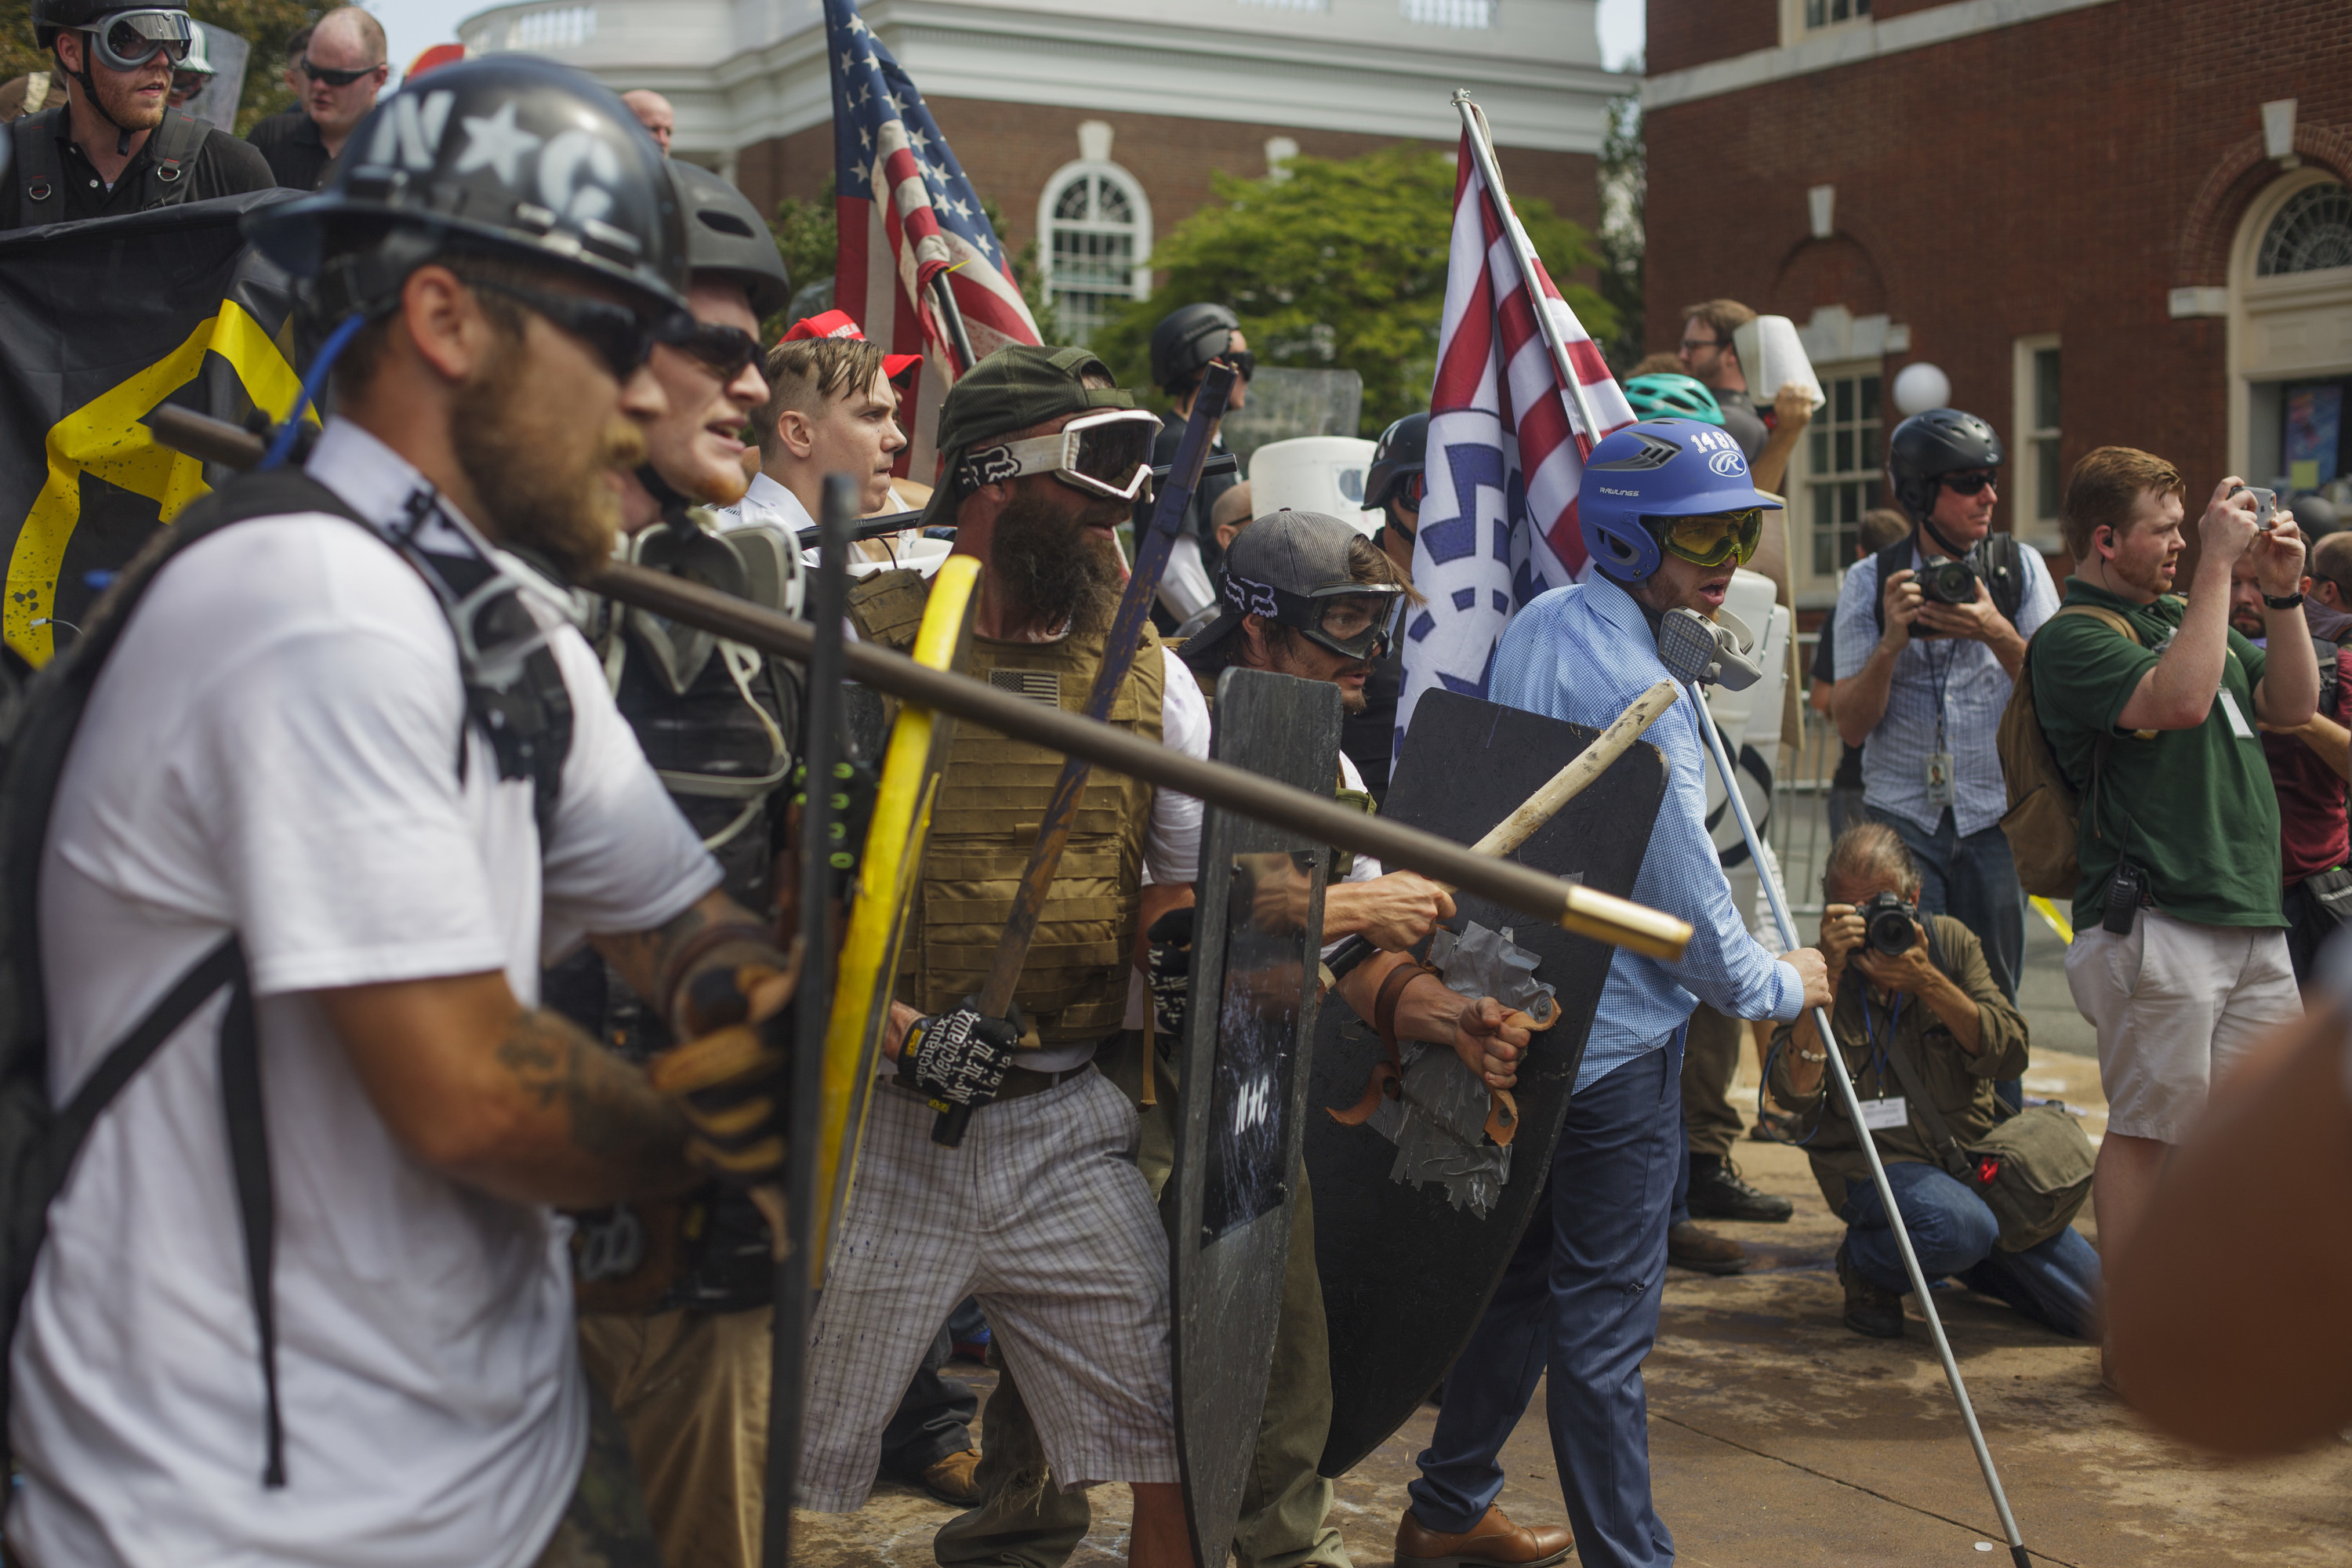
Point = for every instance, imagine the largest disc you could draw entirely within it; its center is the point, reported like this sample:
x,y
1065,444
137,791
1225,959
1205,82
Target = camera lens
x,y
1950,583
1886,925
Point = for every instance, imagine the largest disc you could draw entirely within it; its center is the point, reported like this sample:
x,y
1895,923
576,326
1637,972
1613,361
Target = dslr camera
x,y
1886,924
1949,582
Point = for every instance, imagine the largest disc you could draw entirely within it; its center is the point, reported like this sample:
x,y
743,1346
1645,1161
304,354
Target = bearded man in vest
x,y
1039,1212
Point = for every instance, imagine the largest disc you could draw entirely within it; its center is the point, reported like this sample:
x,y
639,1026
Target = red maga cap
x,y
837,324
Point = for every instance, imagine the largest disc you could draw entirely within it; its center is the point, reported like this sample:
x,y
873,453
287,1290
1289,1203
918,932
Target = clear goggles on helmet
x,y
126,40
1354,620
1712,538
1104,454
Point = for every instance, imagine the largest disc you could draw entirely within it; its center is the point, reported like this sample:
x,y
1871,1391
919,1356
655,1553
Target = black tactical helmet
x,y
724,233
51,17
1940,441
1402,450
512,157
1187,341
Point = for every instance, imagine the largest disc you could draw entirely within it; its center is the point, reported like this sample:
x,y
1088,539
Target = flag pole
x,y
1482,150
952,320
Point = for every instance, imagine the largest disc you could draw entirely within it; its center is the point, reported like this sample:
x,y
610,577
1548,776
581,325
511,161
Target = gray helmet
x,y
724,233
510,156
1186,342
1928,446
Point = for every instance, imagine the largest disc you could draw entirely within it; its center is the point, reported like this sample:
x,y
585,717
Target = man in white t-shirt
x,y
286,746
1306,595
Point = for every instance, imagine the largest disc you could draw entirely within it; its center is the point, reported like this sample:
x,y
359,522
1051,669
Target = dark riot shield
x,y
1249,1020
1408,1265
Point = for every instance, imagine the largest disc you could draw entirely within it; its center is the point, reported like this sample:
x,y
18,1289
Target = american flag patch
x,y
1040,686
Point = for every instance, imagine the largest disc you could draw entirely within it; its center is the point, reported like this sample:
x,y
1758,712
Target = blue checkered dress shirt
x,y
1582,654
1974,689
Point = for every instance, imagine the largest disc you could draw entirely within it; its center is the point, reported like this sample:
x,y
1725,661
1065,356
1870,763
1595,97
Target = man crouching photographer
x,y
1919,1003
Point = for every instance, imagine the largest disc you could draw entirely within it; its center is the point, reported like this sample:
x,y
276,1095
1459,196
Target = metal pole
x,y
1835,1071
813,1009
1482,150
952,320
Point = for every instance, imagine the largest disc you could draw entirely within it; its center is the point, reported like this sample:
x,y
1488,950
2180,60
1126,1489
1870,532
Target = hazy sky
x,y
416,25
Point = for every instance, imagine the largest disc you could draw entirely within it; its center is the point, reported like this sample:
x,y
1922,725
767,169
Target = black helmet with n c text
x,y
511,157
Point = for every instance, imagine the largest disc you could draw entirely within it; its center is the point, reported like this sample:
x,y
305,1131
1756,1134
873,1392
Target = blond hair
x,y
806,374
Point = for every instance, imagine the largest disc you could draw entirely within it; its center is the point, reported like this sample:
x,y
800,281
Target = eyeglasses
x,y
1712,538
726,352
1106,454
131,39
621,337
189,82
1969,481
1691,343
333,78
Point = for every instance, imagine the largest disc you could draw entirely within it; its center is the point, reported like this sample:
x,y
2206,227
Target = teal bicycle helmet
x,y
1668,396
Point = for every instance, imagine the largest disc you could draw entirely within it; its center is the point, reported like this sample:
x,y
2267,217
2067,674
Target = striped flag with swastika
x,y
1506,452
907,214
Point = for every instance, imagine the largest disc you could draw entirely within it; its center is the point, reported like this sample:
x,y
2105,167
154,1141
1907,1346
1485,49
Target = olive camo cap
x,y
1017,387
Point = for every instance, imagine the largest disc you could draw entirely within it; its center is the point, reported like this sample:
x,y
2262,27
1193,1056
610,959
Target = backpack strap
x,y
170,147
2005,574
40,174
257,1206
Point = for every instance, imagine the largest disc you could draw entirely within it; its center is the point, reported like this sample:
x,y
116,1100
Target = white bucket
x,y
1313,473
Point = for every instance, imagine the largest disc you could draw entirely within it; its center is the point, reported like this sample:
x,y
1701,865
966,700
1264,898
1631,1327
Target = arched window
x,y
2312,233
1094,230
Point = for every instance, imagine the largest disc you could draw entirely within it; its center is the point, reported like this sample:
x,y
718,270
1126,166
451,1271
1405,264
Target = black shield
x,y
1408,1265
1250,1018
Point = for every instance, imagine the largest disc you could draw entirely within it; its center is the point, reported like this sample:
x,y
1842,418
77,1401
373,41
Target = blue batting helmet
x,y
1660,467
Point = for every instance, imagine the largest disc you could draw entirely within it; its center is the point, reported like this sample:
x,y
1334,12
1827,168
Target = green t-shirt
x,y
2193,808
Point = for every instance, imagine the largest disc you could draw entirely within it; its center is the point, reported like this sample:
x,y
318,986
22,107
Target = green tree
x,y
809,236
266,24
1624,186
1336,265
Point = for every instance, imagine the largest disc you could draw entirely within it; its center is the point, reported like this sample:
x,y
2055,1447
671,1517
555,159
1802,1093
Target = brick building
x,y
1094,123
2107,221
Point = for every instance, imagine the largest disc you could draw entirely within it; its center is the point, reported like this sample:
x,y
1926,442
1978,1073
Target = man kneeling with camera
x,y
1925,1031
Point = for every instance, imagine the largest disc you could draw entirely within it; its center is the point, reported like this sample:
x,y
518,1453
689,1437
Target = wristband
x,y
2283,601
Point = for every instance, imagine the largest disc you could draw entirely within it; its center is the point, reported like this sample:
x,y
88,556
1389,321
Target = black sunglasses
x,y
621,337
336,78
726,352
1244,361
1969,481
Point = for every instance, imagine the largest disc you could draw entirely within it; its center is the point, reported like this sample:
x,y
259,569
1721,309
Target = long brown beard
x,y
514,450
1050,570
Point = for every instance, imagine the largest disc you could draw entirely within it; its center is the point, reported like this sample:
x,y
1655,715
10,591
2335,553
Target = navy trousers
x,y
1580,1301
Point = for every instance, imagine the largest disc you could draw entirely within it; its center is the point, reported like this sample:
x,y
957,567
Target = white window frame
x,y
1793,30
2027,457
1139,274
1816,590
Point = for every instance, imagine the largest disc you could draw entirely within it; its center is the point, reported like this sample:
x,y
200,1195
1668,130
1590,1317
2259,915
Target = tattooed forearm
x,y
611,1117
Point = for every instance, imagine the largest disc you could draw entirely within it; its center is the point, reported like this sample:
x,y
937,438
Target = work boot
x,y
1869,1310
1494,1540
954,1480
1688,1247
1718,1193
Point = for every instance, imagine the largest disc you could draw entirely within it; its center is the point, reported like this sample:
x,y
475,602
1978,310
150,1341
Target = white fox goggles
x,y
1106,454
125,40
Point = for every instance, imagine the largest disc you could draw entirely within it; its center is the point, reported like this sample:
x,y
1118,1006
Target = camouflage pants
x,y
606,1525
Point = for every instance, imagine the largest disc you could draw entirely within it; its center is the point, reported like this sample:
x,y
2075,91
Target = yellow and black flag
x,y
100,322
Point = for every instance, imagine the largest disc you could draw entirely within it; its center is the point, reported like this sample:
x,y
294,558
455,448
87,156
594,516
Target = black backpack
x,y
530,730
1995,559
40,174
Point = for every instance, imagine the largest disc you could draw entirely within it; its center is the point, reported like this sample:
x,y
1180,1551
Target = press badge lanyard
x,y
1886,1110
1940,782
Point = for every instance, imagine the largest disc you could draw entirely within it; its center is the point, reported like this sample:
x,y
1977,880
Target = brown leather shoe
x,y
1689,1246
1496,1540
954,1480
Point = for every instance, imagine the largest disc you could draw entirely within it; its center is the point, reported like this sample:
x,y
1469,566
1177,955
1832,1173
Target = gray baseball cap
x,y
1279,567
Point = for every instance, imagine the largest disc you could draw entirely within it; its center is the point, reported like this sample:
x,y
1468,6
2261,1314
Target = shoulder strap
x,y
2004,573
1923,1110
170,150
40,174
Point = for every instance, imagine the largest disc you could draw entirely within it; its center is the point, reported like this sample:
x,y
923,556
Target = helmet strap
x,y
666,496
1927,522
123,133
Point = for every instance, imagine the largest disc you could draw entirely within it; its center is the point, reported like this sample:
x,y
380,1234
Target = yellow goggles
x,y
1713,538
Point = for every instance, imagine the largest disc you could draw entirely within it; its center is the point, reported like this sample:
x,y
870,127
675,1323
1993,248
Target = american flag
x,y
907,213
1505,453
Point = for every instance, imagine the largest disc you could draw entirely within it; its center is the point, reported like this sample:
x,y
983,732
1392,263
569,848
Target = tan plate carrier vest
x,y
992,796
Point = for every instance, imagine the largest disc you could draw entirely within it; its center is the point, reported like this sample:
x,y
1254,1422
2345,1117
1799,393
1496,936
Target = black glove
x,y
959,1057
1169,974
